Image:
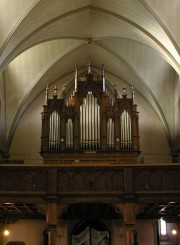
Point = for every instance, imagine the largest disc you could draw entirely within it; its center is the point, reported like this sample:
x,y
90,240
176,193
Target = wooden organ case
x,y
90,126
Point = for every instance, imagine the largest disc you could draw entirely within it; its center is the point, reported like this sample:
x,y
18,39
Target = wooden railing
x,y
64,182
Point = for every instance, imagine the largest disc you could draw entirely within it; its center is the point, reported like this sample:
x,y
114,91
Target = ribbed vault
x,y
136,40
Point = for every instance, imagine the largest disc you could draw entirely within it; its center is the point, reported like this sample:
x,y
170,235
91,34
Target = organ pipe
x,y
103,78
54,131
110,134
126,131
69,134
76,78
46,96
132,93
89,123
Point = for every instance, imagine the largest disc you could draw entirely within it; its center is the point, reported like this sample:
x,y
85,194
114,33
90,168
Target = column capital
x,y
129,211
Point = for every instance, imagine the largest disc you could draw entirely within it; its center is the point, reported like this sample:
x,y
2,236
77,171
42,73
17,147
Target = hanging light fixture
x,y
174,231
6,231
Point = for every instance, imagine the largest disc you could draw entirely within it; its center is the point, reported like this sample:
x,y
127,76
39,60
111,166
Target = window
x,y
163,228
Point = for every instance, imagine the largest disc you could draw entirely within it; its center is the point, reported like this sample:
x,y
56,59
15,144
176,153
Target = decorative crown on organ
x,y
91,119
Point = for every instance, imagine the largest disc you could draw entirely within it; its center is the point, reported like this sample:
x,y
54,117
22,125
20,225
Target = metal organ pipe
x,y
76,78
126,131
46,97
91,112
95,124
132,93
54,131
122,131
110,134
113,134
98,127
69,134
90,123
103,77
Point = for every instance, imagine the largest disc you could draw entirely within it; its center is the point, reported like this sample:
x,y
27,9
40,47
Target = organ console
x,y
92,124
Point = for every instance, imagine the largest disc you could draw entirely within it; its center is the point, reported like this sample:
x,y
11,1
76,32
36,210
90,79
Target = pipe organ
x,y
90,125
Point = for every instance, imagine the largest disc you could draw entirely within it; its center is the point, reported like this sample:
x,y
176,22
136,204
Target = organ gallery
x,y
91,123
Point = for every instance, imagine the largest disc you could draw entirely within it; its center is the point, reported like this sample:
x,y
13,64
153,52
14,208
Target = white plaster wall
x,y
15,10
145,232
28,231
26,142
2,110
154,144
31,232
24,71
164,9
177,112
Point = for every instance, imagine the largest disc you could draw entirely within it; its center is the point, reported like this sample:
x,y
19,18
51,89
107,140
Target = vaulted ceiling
x,y
138,41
